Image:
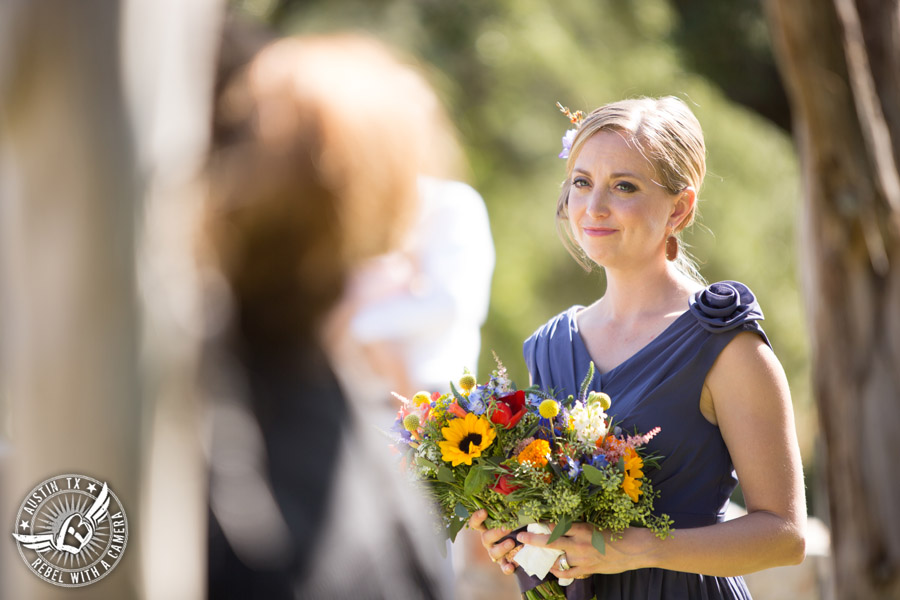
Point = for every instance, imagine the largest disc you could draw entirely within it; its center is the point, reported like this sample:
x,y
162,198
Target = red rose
x,y
503,486
509,409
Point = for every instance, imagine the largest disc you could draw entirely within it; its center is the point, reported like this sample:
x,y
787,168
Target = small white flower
x,y
588,422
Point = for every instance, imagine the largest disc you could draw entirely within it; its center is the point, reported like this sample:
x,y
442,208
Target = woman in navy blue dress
x,y
670,352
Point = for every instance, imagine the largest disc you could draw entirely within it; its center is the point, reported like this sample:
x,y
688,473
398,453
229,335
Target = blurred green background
x,y
501,66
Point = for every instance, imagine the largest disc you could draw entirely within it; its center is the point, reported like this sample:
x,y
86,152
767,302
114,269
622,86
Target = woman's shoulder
x,y
725,306
556,325
548,343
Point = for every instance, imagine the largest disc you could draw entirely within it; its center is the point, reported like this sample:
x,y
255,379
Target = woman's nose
x,y
598,204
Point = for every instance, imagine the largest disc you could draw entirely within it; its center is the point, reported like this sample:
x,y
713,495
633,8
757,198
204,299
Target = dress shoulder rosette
x,y
724,306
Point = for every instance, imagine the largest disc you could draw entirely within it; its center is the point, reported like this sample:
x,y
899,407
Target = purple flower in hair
x,y
567,140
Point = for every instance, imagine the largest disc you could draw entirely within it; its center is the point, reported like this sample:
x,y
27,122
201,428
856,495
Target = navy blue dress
x,y
660,385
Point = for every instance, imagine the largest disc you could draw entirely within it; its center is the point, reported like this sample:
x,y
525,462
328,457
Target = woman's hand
x,y
624,554
489,538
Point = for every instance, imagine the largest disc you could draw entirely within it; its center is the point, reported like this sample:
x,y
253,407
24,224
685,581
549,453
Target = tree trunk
x,y
104,109
840,61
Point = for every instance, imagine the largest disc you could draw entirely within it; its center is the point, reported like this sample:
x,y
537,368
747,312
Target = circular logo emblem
x,y
71,530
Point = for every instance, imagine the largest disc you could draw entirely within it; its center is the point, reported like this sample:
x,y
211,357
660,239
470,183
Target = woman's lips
x,y
598,231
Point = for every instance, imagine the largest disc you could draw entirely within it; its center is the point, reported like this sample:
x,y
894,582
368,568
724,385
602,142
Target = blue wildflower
x,y
599,462
476,402
543,431
402,434
533,400
574,469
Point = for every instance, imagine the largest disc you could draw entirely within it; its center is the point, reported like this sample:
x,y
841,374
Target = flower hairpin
x,y
576,118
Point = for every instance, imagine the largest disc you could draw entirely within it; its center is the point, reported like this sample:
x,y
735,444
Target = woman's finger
x,y
535,539
507,567
497,551
577,532
476,521
489,537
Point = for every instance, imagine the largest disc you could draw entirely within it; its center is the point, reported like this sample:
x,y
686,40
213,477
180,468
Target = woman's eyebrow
x,y
613,175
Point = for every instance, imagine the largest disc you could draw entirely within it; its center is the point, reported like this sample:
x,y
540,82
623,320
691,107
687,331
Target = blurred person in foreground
x,y
411,319
313,170
670,352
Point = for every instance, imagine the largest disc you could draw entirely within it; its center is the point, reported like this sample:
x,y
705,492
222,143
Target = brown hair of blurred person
x,y
312,172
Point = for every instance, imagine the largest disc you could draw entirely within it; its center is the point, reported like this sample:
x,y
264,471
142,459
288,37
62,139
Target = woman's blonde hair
x,y
668,134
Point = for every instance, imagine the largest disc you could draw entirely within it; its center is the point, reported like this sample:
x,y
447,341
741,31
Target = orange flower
x,y
457,410
631,484
535,454
610,442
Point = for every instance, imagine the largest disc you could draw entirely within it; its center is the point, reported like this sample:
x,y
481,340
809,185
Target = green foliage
x,y
598,541
501,66
562,526
477,478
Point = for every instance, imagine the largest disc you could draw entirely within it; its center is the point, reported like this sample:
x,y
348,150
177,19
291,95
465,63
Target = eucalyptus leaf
x,y
593,474
477,478
598,541
445,474
424,462
455,526
461,511
565,523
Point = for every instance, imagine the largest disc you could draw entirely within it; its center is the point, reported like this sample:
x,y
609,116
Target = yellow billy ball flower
x,y
411,422
549,408
421,398
603,399
467,382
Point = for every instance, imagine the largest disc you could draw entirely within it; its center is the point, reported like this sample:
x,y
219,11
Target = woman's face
x,y
619,215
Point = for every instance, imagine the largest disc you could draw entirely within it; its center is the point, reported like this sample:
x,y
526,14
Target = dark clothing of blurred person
x,y
313,169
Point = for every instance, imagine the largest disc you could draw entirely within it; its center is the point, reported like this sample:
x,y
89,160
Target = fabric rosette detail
x,y
724,306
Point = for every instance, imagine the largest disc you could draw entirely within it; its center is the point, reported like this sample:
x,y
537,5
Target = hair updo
x,y
668,134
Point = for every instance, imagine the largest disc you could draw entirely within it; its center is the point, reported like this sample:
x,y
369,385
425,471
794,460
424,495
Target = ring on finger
x,y
563,563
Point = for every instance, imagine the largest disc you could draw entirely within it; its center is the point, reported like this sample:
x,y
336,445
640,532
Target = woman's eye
x,y
624,186
580,182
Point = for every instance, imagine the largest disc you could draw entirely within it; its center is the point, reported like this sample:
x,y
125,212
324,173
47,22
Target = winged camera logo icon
x,y
69,533
71,537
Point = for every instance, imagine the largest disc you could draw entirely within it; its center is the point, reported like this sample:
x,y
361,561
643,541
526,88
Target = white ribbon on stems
x,y
537,561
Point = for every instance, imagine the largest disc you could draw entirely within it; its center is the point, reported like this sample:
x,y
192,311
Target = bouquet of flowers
x,y
528,458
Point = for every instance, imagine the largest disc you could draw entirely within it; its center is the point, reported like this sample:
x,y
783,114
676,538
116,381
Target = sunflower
x,y
632,483
465,439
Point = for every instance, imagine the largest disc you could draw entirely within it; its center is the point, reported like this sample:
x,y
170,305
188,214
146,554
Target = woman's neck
x,y
633,295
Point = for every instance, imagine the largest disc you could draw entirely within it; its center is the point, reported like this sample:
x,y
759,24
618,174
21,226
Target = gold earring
x,y
671,248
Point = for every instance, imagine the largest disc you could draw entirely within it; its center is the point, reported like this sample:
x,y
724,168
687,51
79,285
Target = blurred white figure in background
x,y
411,320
